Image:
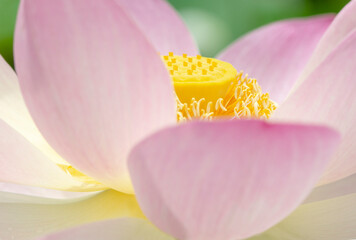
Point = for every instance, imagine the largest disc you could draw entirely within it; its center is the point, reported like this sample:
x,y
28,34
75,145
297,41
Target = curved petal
x,y
335,189
227,180
24,217
23,163
162,26
341,27
93,83
328,97
123,229
13,111
276,54
40,192
328,220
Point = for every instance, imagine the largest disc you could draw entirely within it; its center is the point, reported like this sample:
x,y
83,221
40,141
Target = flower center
x,y
208,88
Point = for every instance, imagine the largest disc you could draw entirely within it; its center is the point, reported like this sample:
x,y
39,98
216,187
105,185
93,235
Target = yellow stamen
x,y
89,182
209,88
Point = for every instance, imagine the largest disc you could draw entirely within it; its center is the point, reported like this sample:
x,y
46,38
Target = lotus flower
x,y
107,108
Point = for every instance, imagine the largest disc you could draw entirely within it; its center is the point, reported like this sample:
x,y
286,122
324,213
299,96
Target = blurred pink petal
x,y
342,26
118,229
93,83
327,96
276,54
161,24
327,220
23,163
24,217
227,180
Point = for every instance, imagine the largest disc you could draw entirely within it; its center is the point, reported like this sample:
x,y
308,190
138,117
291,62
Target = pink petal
x,y
227,180
23,134
342,26
14,112
23,163
276,54
118,229
161,24
328,97
327,220
93,83
24,217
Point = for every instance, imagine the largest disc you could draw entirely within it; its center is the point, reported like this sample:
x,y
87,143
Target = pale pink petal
x,y
327,220
227,180
276,54
343,25
92,81
161,25
24,217
118,229
23,163
328,97
14,112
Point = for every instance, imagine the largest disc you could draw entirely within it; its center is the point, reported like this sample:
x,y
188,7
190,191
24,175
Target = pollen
x,y
208,89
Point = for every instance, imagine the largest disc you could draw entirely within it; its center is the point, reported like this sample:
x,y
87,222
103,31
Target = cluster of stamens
x,y
242,97
206,89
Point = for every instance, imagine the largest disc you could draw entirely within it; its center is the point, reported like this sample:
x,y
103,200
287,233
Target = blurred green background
x,y
213,23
